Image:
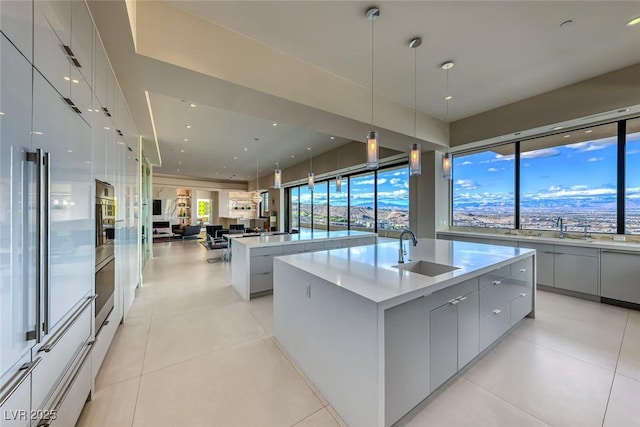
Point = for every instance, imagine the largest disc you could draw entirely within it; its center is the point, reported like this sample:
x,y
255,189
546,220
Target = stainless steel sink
x,y
425,268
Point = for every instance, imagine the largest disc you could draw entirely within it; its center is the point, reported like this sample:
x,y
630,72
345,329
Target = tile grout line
x,y
302,419
613,380
507,402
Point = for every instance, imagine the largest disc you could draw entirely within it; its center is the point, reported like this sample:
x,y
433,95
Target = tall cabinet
x,y
63,123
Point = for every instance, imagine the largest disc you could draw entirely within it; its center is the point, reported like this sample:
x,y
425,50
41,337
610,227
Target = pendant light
x,y
372,137
446,166
257,197
277,177
310,175
415,157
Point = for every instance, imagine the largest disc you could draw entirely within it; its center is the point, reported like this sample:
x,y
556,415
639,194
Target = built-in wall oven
x,y
105,256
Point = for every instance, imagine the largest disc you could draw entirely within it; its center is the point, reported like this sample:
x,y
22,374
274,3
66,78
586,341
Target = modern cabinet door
x,y
17,233
544,261
443,327
576,272
406,358
620,278
51,34
468,329
82,39
61,132
16,23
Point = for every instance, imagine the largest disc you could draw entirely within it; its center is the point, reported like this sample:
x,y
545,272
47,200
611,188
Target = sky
x,y
393,190
581,174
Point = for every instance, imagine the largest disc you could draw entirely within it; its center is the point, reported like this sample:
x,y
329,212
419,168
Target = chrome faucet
x,y
559,223
401,251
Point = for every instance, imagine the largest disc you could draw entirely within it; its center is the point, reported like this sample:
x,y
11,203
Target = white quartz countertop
x,y
567,241
368,270
283,239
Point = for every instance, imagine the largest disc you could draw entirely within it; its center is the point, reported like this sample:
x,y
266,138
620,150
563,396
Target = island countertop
x,y
284,239
368,270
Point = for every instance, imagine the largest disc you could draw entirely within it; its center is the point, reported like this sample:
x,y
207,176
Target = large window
x,y
338,205
483,188
632,190
294,208
320,207
305,207
362,202
572,176
393,200
355,207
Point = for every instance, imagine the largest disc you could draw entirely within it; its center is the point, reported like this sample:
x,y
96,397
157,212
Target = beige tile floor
x,y
191,353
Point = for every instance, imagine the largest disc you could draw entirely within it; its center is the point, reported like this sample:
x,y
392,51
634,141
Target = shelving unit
x,y
237,204
183,206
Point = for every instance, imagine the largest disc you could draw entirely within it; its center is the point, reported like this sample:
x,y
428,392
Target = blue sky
x,y
393,190
577,174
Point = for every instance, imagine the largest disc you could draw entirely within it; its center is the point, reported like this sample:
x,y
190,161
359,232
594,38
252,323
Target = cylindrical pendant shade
x,y
372,150
277,179
339,184
415,160
311,183
446,166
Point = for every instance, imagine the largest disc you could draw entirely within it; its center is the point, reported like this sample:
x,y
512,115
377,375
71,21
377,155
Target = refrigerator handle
x,y
46,222
37,158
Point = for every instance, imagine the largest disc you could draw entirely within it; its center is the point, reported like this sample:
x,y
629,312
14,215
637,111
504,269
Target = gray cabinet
x,y
620,278
544,261
468,333
16,23
577,269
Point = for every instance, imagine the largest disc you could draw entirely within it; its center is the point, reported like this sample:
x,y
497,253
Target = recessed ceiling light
x,y
235,157
633,21
308,148
333,137
245,148
1,113
178,170
182,151
293,157
179,163
192,105
224,167
447,65
35,132
75,81
275,124
88,162
90,110
588,131
187,126
567,136
106,128
67,78
69,151
186,140
557,128
448,97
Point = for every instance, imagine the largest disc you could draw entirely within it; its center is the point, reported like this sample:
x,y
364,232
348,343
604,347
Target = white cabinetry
x,y
237,204
577,269
620,275
16,23
544,261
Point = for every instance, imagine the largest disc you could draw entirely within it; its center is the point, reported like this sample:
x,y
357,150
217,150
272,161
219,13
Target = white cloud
x,y
595,145
577,193
466,162
579,187
554,188
395,181
595,159
467,184
539,154
369,181
492,170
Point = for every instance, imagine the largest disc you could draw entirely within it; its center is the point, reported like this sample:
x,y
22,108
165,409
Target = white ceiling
x,y
504,51
221,144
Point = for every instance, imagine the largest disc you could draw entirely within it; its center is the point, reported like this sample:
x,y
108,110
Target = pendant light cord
x,y
447,95
372,53
415,92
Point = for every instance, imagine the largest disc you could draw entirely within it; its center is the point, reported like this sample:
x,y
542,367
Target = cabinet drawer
x,y
333,244
266,250
313,246
492,327
295,248
495,275
494,297
71,399
58,359
103,341
16,410
521,306
522,270
445,295
261,264
576,250
261,282
620,276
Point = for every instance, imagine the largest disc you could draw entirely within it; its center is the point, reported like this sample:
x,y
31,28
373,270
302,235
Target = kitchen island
x,y
252,257
377,337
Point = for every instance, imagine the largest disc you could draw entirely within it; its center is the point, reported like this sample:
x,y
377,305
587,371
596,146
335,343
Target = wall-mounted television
x,y
157,207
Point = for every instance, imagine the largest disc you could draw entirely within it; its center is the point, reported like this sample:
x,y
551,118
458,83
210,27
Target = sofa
x,y
180,231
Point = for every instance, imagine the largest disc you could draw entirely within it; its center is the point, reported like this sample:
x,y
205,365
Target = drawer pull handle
x,y
462,298
496,282
497,311
453,301
524,294
17,379
67,325
523,270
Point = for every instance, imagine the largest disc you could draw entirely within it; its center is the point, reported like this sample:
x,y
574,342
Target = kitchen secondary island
x,y
252,257
377,337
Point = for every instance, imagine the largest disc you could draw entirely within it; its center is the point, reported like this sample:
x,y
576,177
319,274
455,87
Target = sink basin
x,y
425,268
